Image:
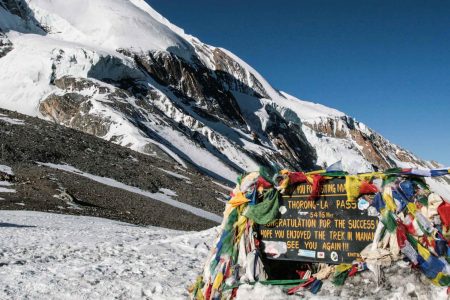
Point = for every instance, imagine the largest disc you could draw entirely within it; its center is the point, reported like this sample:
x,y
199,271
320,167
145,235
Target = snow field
x,y
50,256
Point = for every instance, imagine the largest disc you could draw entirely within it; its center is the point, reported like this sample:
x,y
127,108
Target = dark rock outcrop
x,y
20,9
374,148
5,45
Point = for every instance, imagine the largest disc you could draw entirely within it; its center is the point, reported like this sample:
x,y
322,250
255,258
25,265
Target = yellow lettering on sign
x,y
319,235
339,223
323,204
296,223
292,244
336,235
329,189
301,204
304,189
350,236
279,234
324,223
335,246
345,204
364,236
331,223
310,245
298,234
353,254
266,234
362,224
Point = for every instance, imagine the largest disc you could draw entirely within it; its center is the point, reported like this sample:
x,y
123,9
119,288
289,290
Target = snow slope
x,y
118,24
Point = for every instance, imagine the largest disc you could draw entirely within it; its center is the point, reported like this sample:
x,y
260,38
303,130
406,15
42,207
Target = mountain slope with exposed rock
x,y
49,167
122,72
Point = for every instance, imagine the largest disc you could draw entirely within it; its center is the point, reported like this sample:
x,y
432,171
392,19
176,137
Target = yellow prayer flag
x,y
412,208
218,281
238,199
424,252
387,197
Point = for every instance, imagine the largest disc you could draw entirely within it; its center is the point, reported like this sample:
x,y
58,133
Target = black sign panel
x,y
330,229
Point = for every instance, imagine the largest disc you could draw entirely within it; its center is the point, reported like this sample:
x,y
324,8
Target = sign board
x,y
330,229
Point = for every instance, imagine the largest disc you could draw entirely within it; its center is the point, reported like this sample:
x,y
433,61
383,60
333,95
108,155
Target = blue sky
x,y
386,63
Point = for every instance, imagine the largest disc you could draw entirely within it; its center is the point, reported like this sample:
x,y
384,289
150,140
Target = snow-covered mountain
x,y
119,70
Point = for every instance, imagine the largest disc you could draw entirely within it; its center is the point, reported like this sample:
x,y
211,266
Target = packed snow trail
x,y
51,256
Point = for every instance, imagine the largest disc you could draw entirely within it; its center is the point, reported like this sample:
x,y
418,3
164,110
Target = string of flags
x,y
414,224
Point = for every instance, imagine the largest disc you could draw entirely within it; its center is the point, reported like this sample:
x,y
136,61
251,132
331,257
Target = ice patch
x,y
11,121
7,170
221,200
225,187
168,192
176,175
5,190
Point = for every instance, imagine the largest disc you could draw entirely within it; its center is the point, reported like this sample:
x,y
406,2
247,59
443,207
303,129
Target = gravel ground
x,y
25,141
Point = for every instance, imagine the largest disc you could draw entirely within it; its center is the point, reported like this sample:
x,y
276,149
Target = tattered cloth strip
x,y
343,271
414,224
357,185
413,218
286,178
266,211
316,181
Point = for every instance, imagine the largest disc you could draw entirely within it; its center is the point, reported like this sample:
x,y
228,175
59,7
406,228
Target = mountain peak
x,y
121,71
109,24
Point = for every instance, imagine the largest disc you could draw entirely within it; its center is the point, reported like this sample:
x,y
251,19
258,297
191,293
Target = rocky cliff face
x,y
16,7
180,99
374,148
18,17
5,45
